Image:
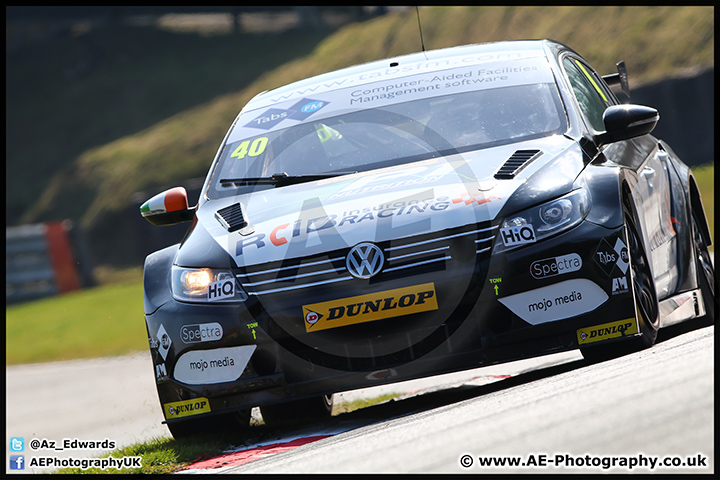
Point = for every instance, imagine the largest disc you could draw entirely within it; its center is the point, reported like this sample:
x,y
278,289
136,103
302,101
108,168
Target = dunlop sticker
x,y
186,408
365,308
607,331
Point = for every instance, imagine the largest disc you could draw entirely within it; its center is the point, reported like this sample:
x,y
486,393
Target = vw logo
x,y
365,260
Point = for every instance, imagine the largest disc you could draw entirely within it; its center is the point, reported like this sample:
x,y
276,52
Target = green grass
x,y
98,322
165,455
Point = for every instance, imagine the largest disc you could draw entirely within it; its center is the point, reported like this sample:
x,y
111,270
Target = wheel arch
x,y
156,278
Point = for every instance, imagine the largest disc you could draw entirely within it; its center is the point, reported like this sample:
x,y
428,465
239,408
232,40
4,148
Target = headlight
x,y
205,285
538,223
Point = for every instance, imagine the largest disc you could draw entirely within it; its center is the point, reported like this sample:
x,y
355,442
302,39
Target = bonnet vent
x,y
516,162
232,217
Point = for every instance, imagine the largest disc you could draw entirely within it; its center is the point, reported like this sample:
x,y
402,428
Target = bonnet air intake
x,y
516,162
232,217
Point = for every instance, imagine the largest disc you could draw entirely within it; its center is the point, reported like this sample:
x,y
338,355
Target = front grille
x,y
403,257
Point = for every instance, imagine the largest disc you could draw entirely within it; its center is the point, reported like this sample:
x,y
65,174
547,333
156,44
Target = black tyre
x,y
299,411
646,302
229,423
705,273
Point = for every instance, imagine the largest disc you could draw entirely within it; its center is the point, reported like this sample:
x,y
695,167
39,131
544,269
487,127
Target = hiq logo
x,y
512,236
17,462
17,444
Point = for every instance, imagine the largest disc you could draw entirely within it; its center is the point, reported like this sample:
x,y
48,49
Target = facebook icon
x,y
17,462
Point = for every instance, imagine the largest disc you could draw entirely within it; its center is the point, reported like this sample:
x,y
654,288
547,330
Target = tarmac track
x,y
657,402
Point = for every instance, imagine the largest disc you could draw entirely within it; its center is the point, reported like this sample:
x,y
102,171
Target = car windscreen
x,y
386,135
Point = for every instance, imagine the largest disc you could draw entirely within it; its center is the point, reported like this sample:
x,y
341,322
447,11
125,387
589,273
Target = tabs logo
x,y
550,267
366,308
300,111
514,236
607,331
186,408
608,257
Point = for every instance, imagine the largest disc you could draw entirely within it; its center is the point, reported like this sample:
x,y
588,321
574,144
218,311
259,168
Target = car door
x,y
644,155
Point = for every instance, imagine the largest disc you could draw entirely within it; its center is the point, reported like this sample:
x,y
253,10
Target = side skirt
x,y
681,307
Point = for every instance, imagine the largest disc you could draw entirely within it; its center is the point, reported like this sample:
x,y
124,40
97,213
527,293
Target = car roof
x,y
398,67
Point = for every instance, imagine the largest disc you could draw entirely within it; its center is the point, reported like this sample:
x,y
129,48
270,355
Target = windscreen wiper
x,y
280,179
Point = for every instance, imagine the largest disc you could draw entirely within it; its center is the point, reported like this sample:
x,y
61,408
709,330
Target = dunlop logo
x,y
186,408
607,331
365,308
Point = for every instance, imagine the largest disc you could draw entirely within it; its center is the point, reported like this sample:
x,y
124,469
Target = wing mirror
x,y
623,122
168,208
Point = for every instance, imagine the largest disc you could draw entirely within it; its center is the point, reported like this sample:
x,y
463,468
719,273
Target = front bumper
x,y
560,294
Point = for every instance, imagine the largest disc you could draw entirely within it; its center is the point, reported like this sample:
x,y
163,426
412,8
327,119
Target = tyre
x,y
705,273
299,411
228,423
646,302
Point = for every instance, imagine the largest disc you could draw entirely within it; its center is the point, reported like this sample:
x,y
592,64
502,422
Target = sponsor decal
x,y
474,198
619,285
549,267
221,289
521,235
299,111
299,230
202,367
153,343
203,332
607,331
609,257
164,340
366,308
186,408
161,372
556,302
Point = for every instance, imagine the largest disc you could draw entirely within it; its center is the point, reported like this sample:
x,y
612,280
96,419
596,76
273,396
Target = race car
x,y
415,216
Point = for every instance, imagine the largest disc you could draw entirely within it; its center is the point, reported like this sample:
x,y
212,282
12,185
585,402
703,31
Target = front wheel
x,y
646,302
647,309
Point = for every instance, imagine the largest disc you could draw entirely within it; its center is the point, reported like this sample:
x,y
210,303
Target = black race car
x,y
416,216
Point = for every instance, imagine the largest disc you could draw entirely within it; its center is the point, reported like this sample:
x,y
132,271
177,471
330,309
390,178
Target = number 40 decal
x,y
246,148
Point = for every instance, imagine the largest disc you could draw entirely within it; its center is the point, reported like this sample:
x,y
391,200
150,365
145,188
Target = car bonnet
x,y
384,204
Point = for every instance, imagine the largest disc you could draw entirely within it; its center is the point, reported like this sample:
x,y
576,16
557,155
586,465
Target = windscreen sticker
x,y
455,80
556,302
299,111
427,66
365,308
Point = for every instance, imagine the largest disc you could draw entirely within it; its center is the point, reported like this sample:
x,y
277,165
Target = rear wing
x,y
620,78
